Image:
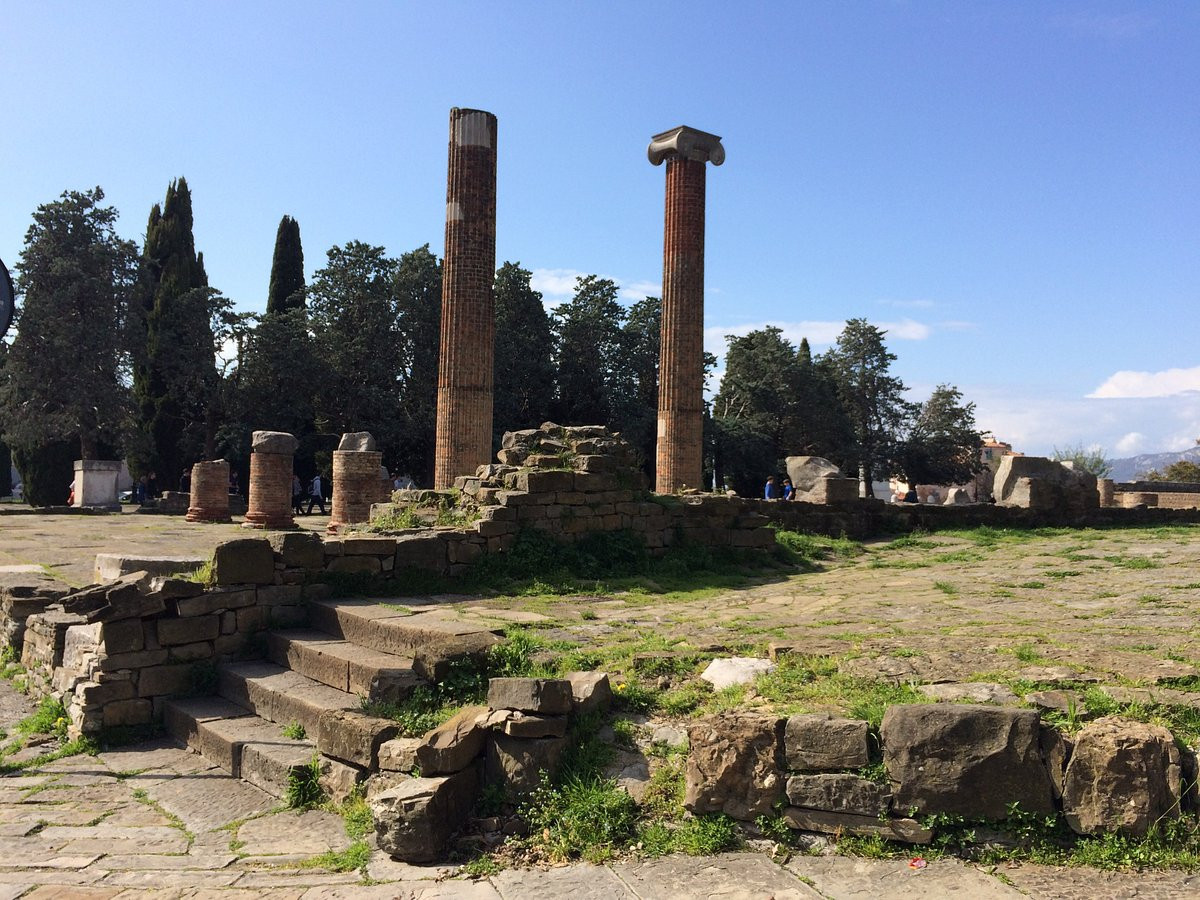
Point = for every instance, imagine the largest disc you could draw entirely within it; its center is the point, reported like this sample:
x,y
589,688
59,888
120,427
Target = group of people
x,y
774,490
314,494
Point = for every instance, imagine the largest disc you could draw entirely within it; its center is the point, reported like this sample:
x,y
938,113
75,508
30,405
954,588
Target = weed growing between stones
x,y
1044,839
205,575
304,787
356,815
294,731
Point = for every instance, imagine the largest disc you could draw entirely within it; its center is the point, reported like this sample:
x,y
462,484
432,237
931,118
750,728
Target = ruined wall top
x,y
688,143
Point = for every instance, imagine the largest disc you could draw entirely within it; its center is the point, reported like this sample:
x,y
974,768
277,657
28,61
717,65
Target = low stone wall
x,y
508,745
861,519
113,652
974,761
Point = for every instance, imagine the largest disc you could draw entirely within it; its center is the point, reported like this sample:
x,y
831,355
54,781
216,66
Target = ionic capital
x,y
687,143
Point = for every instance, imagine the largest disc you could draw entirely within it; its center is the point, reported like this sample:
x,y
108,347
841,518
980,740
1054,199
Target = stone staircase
x,y
352,649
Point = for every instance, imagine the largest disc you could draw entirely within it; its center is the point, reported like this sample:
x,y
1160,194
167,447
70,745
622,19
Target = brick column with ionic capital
x,y
680,456
270,503
464,393
209,501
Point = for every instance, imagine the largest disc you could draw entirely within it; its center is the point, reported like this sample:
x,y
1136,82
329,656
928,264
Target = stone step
x,y
242,744
280,695
433,639
361,671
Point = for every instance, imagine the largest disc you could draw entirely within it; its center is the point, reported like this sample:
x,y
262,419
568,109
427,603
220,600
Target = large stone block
x,y
908,831
421,551
590,691
551,696
188,631
353,737
518,763
453,745
734,765
807,473
839,793
1123,777
815,743
300,549
414,819
1038,483
244,561
965,759
273,442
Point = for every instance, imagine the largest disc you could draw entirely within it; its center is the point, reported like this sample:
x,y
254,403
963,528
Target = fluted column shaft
x,y
680,457
465,356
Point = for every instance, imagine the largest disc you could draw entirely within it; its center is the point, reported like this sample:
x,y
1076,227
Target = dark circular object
x,y
8,299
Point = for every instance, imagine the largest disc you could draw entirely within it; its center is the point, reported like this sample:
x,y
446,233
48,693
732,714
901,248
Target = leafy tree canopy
x,y
939,443
1183,470
66,374
1089,459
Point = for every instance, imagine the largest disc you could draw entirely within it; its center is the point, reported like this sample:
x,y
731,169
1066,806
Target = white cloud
x,y
1130,444
1149,384
554,284
558,285
1035,420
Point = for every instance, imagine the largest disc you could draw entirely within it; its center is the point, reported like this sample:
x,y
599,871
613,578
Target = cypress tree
x,y
179,342
287,269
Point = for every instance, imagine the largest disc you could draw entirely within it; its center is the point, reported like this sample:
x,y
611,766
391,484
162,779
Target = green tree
x,y
65,375
755,412
588,344
286,290
175,371
352,311
1182,470
860,367
524,369
635,380
418,291
1089,459
939,442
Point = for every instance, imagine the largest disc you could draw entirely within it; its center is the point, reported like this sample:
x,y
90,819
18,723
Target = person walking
x,y
316,494
297,494
771,489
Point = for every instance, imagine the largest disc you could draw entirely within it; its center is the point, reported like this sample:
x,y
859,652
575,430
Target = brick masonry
x,y
210,492
679,459
681,367
270,491
465,357
356,486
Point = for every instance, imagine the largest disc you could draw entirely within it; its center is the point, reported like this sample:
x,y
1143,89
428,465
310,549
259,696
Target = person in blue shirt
x,y
789,492
771,489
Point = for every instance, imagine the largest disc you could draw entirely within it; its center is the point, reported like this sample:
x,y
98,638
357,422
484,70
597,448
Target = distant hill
x,y
1133,468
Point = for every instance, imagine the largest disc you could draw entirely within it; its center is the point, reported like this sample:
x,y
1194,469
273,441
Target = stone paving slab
x,y
733,876
940,879
581,882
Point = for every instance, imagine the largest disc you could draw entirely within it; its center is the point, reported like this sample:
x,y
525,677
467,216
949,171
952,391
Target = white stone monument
x,y
96,483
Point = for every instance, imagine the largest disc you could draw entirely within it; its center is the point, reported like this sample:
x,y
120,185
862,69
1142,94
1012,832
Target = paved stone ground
x,y
157,821
66,545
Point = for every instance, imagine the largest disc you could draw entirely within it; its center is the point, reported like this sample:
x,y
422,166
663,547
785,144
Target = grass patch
x,y
802,683
294,731
1133,562
1032,585
946,588
304,788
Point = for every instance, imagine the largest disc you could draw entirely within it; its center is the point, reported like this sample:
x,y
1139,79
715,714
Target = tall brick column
x,y
680,456
355,486
210,492
270,504
464,394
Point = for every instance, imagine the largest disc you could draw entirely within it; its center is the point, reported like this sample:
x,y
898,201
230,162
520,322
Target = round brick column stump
x,y
1106,489
270,504
355,486
209,500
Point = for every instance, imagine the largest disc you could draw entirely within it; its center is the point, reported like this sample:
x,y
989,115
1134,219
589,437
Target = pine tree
x,y
524,370
418,292
287,269
588,339
176,366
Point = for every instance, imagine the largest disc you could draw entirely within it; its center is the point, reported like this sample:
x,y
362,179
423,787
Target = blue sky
x,y
1011,188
